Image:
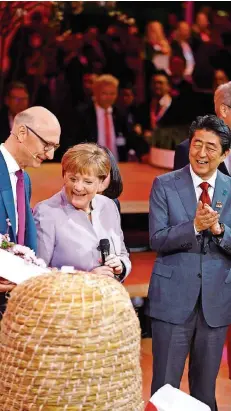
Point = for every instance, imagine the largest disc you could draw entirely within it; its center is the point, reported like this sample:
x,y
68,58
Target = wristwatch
x,y
222,231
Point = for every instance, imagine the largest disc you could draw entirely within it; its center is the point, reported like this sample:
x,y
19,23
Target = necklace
x,y
88,212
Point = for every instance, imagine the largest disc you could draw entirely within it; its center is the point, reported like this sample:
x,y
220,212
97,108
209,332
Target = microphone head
x,y
104,244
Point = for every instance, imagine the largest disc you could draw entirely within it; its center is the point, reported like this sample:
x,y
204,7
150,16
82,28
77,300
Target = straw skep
x,y
70,342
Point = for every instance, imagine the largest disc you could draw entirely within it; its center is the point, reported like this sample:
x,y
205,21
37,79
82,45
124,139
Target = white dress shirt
x,y
197,181
188,55
12,166
198,190
100,115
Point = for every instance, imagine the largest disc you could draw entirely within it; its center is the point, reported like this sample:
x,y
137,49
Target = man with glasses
x,y
222,103
34,137
16,100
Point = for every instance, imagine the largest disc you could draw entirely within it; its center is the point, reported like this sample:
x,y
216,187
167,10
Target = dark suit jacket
x,y
176,114
87,130
4,124
181,158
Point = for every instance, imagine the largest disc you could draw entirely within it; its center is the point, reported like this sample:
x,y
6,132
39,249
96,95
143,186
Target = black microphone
x,y
104,247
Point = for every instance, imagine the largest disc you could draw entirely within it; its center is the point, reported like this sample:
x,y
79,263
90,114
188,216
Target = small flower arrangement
x,y
22,251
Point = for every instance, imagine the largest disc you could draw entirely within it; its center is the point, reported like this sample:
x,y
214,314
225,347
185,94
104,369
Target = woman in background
x,y
112,186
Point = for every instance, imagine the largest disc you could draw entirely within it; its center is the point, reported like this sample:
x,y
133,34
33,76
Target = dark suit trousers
x,y
172,343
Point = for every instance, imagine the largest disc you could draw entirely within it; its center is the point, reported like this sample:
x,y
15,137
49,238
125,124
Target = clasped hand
x,y
111,266
206,218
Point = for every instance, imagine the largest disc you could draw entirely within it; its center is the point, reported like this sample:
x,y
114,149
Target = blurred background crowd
x,y
168,57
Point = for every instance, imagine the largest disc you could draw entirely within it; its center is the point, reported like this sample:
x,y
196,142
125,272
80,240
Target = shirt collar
x,y
99,108
165,101
12,165
197,180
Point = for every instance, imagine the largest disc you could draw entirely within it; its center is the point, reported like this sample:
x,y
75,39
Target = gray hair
x,y
223,95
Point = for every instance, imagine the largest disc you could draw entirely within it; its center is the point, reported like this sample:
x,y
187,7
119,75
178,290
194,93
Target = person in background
x,y
221,76
101,122
180,86
33,139
71,224
190,289
112,186
157,48
181,47
88,82
201,32
127,106
16,100
222,103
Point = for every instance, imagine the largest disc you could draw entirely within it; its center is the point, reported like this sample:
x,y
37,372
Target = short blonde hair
x,y
106,79
86,158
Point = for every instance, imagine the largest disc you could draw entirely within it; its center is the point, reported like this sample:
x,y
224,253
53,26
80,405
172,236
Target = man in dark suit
x,y
222,102
190,288
16,100
34,137
101,122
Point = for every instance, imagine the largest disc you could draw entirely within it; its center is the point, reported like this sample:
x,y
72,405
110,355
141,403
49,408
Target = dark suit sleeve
x,y
164,237
181,156
225,241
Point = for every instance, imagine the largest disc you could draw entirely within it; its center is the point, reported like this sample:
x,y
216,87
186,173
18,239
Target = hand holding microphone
x,y
109,261
115,263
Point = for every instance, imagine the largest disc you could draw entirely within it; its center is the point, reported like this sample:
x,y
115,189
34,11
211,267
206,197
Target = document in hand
x,y
16,270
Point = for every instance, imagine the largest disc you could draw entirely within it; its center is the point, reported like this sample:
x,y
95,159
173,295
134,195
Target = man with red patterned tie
x,y
101,122
190,289
34,138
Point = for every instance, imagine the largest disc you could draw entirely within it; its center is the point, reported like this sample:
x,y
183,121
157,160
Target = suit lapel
x,y
7,194
186,191
221,192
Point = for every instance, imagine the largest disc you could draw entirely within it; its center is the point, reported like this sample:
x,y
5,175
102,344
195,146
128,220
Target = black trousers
x,y
172,343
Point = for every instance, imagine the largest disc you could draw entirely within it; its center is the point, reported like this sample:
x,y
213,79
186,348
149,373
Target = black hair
x,y
115,187
178,56
214,124
161,73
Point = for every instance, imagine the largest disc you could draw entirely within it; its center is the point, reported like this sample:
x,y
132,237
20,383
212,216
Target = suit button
x,y
199,275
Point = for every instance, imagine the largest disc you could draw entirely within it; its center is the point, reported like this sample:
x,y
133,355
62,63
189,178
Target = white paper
x,y
168,398
16,270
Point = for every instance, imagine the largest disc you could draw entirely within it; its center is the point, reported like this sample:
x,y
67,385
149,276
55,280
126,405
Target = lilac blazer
x,y
65,235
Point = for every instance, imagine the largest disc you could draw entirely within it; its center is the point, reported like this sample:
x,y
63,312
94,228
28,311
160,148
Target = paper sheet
x,y
14,269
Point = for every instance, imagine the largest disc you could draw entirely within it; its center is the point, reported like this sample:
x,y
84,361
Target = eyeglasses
x,y
47,146
226,105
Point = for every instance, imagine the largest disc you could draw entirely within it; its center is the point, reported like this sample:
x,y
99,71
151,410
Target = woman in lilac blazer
x,y
71,224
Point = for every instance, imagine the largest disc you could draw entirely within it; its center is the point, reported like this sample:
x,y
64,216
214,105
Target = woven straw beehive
x,y
70,342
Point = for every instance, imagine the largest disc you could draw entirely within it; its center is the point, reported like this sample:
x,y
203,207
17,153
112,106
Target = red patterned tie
x,y
205,195
21,206
108,137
